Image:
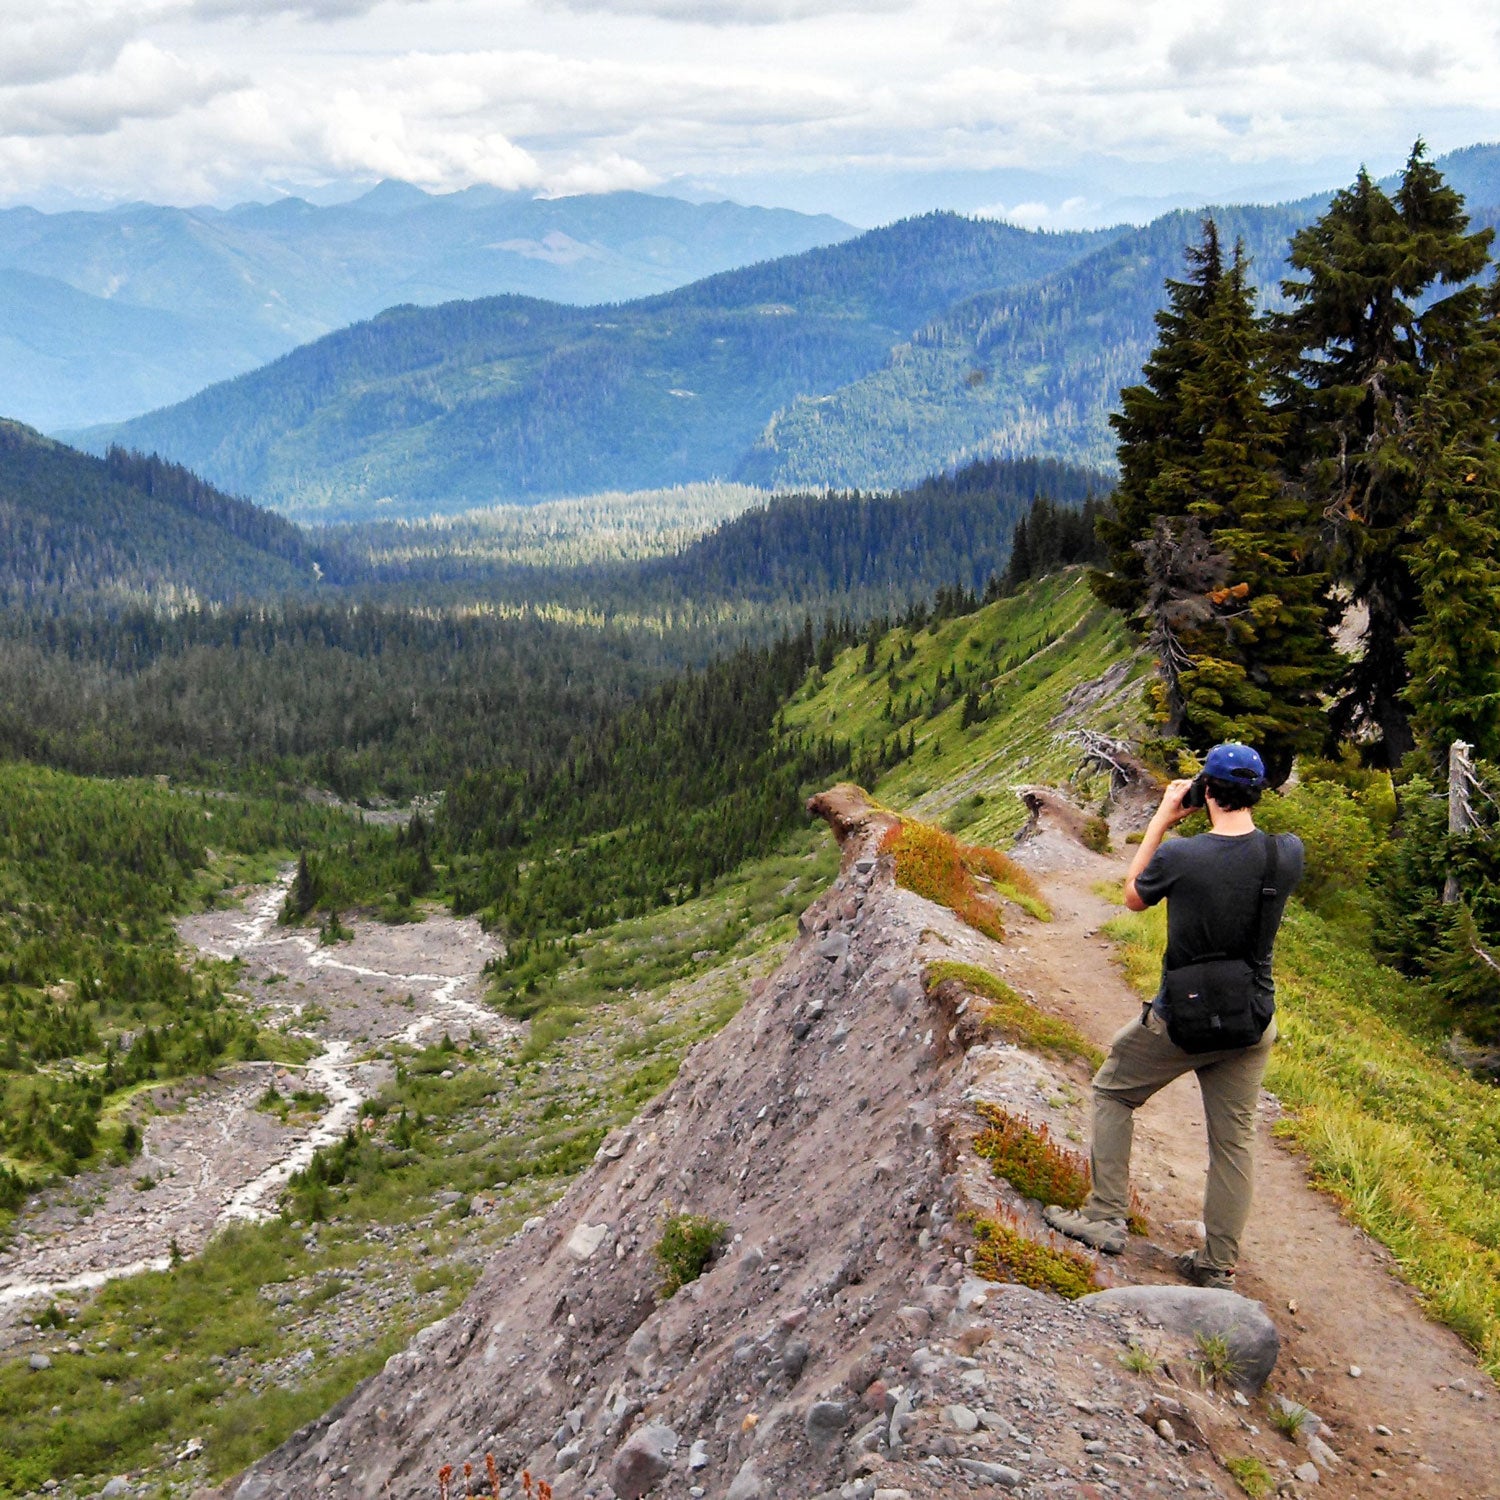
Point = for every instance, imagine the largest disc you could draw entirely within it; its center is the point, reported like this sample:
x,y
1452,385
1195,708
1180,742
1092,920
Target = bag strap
x,y
1259,946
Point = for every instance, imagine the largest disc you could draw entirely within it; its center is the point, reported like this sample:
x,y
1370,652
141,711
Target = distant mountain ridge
x,y
141,305
903,352
512,399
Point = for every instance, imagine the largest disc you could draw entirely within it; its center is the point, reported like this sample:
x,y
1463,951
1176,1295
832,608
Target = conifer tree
x,y
1258,675
1454,653
1209,550
1360,344
1150,429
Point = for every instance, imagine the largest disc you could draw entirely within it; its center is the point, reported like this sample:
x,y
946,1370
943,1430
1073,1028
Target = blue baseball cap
x,y
1233,762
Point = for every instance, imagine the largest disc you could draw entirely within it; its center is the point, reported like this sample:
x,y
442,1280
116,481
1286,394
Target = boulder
x,y
1198,1313
642,1460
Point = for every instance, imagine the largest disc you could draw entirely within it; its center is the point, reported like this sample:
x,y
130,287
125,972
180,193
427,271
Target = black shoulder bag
x,y
1215,1005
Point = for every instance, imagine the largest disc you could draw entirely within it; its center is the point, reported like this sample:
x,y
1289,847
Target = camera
x,y
1193,797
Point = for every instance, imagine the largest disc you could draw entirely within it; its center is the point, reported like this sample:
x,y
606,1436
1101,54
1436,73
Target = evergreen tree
x,y
1019,568
1360,344
1208,548
1258,675
1150,430
1454,654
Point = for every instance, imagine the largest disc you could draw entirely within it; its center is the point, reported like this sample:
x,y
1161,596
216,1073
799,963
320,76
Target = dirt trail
x,y
212,1156
1416,1378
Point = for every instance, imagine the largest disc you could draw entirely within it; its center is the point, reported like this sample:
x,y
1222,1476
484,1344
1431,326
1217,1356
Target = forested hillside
x,y
1032,371
79,532
850,553
107,314
347,663
476,402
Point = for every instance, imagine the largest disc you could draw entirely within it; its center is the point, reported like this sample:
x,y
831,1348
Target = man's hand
x,y
1168,814
1171,811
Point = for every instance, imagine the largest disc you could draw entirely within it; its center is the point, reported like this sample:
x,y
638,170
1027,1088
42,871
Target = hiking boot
x,y
1190,1268
1108,1235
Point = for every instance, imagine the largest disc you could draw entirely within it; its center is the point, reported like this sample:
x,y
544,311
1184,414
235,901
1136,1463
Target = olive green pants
x,y
1143,1059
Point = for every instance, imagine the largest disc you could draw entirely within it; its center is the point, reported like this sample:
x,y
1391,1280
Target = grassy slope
x,y
1408,1143
1027,654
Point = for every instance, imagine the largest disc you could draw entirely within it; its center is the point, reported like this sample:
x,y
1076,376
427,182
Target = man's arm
x,y
1167,815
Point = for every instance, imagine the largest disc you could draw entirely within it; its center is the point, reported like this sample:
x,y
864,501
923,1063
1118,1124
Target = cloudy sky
x,y
1048,111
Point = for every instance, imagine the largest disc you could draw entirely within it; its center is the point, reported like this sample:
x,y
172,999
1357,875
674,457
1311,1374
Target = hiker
x,y
1213,1015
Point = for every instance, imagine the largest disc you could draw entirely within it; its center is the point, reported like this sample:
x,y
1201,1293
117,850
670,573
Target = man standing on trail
x,y
1225,892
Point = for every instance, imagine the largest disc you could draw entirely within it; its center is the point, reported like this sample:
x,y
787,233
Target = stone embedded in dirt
x,y
698,1455
834,946
586,1239
640,1351
1307,1474
747,1483
1001,1474
917,1319
642,1460
1198,1313
794,1358
825,1424
1321,1454
962,1418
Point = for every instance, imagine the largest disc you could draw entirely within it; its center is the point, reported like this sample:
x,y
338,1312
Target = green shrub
x,y
1095,835
686,1246
1341,842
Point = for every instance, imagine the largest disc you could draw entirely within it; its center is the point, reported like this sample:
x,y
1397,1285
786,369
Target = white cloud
x,y
212,97
142,82
733,12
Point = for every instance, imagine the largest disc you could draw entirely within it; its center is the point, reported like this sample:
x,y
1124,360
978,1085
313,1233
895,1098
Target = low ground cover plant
x,y
1003,1251
1027,1157
1014,1018
686,1246
933,863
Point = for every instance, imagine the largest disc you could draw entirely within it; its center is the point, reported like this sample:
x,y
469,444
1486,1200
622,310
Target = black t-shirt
x,y
1212,885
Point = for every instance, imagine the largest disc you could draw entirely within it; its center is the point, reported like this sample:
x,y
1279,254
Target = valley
x,y
440,1037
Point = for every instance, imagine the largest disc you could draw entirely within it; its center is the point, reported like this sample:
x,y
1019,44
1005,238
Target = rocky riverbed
x,y
210,1153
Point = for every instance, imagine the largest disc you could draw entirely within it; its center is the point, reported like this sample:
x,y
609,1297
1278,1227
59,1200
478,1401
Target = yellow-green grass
x,y
1408,1143
1014,1018
1027,653
1251,1475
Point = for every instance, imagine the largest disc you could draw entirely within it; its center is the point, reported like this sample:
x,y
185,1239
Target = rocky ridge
x,y
840,1343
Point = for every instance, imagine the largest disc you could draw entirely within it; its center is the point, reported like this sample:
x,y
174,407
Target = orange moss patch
x,y
1029,1159
935,865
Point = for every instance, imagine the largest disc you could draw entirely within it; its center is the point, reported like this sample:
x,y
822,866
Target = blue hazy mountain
x,y
516,399
140,306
